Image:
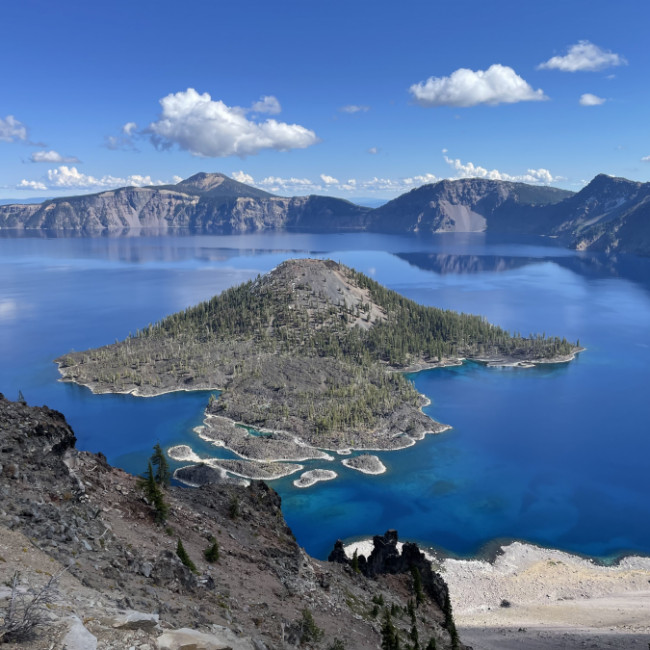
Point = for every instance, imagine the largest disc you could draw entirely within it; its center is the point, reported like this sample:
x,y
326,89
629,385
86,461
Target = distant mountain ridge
x,y
609,214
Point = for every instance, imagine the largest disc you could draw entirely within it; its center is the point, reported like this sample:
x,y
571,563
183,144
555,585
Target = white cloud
x,y
243,177
373,150
591,100
31,185
129,128
289,185
176,178
299,186
583,56
71,177
210,128
645,159
470,170
423,179
329,180
52,157
354,108
64,177
267,104
499,84
11,129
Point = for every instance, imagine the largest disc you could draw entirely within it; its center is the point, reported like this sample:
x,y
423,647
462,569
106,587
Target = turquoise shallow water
x,y
557,455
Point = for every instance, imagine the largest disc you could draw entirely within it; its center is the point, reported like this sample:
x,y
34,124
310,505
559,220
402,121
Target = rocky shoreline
x,y
366,464
528,597
307,479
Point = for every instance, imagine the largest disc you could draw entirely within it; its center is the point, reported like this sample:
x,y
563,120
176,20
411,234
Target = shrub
x,y
233,508
211,554
309,631
26,611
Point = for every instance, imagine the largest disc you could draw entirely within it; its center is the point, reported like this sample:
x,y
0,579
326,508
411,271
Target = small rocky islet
x,y
309,359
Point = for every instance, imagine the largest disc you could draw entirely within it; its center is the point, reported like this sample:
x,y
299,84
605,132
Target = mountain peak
x,y
203,181
217,184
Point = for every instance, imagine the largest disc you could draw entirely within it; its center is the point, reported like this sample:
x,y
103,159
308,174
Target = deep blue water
x,y
557,455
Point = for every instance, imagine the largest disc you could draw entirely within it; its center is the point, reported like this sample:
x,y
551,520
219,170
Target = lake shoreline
x,y
531,597
397,442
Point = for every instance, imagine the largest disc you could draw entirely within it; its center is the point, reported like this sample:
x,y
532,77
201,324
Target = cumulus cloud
x,y
11,129
583,56
499,84
645,159
329,180
71,177
288,185
354,108
64,177
209,128
267,104
129,128
31,185
52,157
470,170
243,177
591,100
373,150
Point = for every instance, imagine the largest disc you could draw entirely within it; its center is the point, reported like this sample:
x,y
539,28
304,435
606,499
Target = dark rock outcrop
x,y
386,558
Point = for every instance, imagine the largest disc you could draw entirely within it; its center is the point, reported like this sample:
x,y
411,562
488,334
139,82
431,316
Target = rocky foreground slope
x,y
121,584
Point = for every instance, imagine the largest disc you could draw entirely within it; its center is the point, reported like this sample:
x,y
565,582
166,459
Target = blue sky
x,y
354,99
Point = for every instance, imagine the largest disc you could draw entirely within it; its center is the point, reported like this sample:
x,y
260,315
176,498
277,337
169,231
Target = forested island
x,y
311,354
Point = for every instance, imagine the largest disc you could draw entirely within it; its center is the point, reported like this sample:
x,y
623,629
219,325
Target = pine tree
x,y
389,638
413,634
154,495
158,460
410,608
355,561
432,644
417,586
450,625
184,557
148,484
161,509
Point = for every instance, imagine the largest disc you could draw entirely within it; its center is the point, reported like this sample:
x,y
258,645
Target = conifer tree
x,y
355,561
417,586
184,557
450,624
389,637
158,460
154,495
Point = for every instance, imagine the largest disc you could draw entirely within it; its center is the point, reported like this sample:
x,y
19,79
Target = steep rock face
x,y
468,205
108,211
209,203
609,214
